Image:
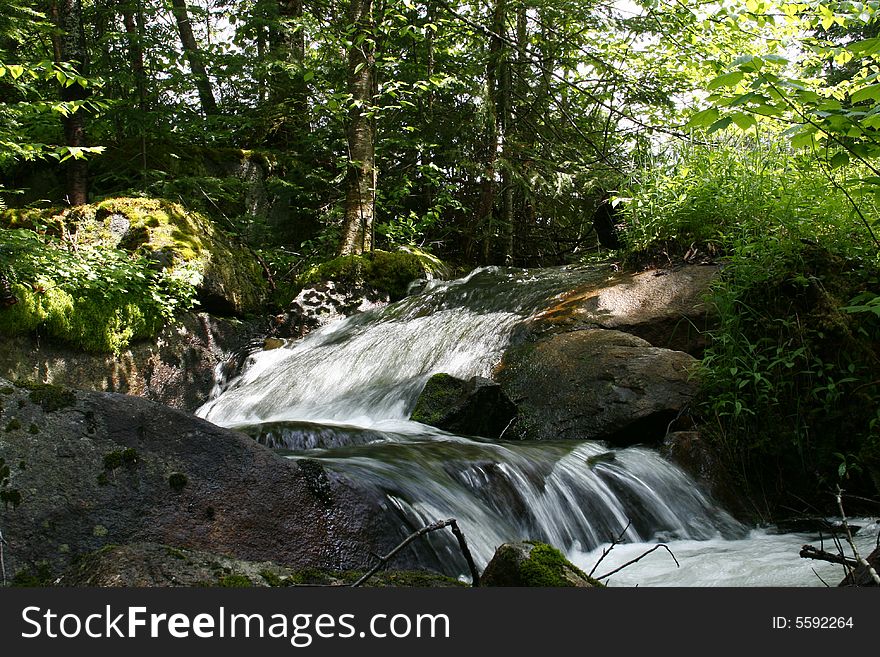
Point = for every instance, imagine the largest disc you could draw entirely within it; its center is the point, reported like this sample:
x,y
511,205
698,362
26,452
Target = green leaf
x,y
865,47
308,76
871,92
726,80
720,124
704,118
743,121
839,160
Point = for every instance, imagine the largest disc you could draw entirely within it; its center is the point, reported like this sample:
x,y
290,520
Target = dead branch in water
x,y
639,558
810,552
440,524
607,551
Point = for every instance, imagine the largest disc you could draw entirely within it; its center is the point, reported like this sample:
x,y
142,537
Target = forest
x,y
149,146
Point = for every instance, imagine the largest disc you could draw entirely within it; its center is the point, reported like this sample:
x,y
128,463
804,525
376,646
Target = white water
x,y
344,393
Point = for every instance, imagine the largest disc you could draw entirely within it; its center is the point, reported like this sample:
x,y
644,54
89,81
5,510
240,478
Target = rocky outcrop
x,y
176,368
595,384
152,564
477,407
667,308
95,469
529,563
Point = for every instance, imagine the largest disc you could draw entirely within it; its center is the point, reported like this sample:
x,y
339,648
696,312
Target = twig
x,y
827,585
2,560
440,524
639,558
607,550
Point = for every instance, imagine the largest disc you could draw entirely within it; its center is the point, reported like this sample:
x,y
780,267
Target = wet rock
x,y
135,471
477,407
176,368
595,385
529,563
861,576
323,303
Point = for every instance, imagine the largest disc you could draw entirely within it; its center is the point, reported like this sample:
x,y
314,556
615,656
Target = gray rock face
x,y
95,469
595,384
176,369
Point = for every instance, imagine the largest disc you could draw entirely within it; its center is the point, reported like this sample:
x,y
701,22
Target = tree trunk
x,y
360,199
289,93
496,73
194,57
69,46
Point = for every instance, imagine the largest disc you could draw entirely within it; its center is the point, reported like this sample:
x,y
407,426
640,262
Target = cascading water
x,y
343,396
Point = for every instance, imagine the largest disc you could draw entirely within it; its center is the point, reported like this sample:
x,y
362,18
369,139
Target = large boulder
x,y
529,563
177,368
476,407
152,564
92,469
668,308
595,384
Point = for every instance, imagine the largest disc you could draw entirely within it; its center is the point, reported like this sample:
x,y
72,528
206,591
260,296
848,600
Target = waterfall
x,y
344,393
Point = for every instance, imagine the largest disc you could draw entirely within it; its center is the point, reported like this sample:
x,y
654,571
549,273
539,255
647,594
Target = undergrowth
x,y
790,396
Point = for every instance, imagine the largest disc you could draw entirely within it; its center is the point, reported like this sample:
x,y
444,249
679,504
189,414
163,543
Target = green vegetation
x,y
127,458
790,394
235,582
50,397
177,481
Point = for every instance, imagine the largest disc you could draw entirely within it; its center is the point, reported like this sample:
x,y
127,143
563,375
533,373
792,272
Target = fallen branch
x,y
440,524
639,558
810,552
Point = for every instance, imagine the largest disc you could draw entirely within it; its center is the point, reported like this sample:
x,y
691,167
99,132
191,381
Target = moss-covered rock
x,y
153,234
477,407
384,271
530,563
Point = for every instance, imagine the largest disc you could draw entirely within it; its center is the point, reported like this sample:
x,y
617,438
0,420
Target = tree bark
x,y
69,47
194,57
360,199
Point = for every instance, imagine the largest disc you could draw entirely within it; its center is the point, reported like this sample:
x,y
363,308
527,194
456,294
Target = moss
x,y
127,457
177,554
235,582
103,479
387,272
546,566
40,575
99,531
441,393
177,481
7,390
50,397
33,429
13,425
273,579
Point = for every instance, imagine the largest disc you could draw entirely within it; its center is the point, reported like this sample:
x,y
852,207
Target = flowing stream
x,y
343,395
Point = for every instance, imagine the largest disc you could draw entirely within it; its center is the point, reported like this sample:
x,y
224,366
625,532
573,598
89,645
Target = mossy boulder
x,y
530,563
228,279
477,407
388,272
154,234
